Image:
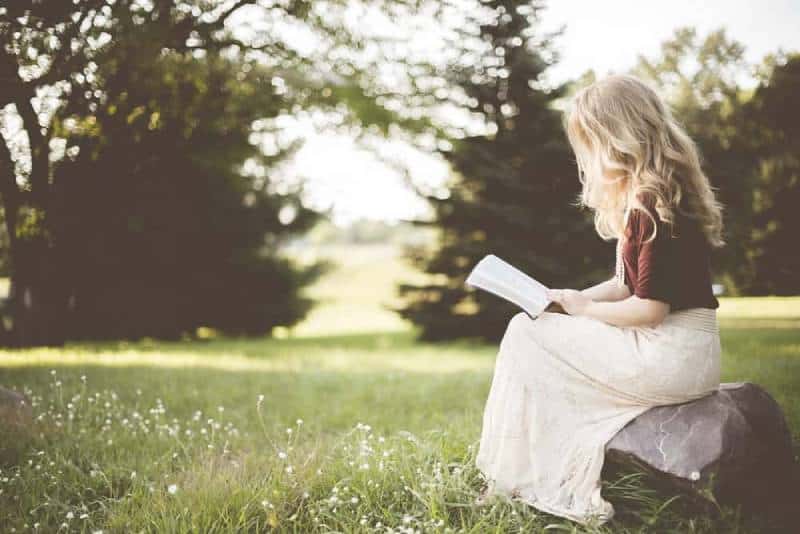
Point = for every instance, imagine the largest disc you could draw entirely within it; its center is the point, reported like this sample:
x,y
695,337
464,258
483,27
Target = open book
x,y
506,281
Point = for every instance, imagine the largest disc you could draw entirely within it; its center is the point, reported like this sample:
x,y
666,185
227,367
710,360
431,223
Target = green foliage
x,y
157,213
772,120
160,231
513,191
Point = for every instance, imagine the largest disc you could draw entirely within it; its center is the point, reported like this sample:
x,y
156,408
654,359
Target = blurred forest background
x,y
143,167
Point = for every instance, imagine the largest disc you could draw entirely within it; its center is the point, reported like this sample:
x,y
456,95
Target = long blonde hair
x,y
628,145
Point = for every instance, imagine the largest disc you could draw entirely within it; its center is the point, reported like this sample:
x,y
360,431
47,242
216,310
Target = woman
x,y
566,383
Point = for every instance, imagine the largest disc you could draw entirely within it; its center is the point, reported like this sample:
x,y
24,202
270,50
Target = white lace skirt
x,y
564,385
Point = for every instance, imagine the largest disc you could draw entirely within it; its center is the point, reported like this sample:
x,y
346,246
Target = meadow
x,y
343,424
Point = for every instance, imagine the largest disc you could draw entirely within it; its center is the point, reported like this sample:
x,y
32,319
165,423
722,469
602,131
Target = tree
x,y
157,229
514,186
771,124
700,79
58,65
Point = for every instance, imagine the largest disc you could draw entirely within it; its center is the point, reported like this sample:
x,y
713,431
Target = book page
x,y
506,281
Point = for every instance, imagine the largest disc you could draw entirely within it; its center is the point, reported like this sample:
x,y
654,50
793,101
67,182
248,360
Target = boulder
x,y
732,447
15,408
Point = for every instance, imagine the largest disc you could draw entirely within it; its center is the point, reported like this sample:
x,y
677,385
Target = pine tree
x,y
514,188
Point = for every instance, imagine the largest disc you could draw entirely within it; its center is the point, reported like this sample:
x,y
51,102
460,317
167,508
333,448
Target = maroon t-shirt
x,y
674,267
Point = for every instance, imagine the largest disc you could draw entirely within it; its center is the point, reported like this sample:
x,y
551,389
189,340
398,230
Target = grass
x,y
314,432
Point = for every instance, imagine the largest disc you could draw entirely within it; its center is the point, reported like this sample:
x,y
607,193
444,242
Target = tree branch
x,y
10,192
39,150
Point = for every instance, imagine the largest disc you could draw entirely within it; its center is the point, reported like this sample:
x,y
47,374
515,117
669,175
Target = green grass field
x,y
364,430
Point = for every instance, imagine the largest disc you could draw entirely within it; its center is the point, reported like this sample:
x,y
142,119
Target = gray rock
x,y
732,447
15,408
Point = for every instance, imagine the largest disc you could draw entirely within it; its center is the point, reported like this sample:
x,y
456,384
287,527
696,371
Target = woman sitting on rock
x,y
566,383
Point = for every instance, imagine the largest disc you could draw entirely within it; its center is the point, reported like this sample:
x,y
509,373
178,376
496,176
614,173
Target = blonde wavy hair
x,y
628,145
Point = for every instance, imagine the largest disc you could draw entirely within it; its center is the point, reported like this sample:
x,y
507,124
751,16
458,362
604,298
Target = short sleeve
x,y
653,272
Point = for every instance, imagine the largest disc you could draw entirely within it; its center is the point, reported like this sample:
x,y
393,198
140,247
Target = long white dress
x,y
564,385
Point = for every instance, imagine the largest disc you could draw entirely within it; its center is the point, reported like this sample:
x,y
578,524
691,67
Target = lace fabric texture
x,y
564,385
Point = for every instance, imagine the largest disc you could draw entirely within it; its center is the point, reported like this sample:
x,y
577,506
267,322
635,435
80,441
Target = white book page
x,y
506,281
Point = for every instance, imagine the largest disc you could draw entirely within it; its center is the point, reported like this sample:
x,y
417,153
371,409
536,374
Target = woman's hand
x,y
574,302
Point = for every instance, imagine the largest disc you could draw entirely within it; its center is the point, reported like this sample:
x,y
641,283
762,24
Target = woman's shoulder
x,y
645,220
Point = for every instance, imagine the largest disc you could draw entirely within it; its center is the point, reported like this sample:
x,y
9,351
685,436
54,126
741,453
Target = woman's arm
x,y
632,311
606,291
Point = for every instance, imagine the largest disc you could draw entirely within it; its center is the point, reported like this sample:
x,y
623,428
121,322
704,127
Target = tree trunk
x,y
37,298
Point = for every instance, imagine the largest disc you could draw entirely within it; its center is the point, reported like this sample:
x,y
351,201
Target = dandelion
x,y
299,422
282,455
289,469
172,489
354,500
133,475
70,515
695,475
288,430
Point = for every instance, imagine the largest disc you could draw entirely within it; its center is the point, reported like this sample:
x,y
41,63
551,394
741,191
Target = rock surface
x,y
15,408
732,447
